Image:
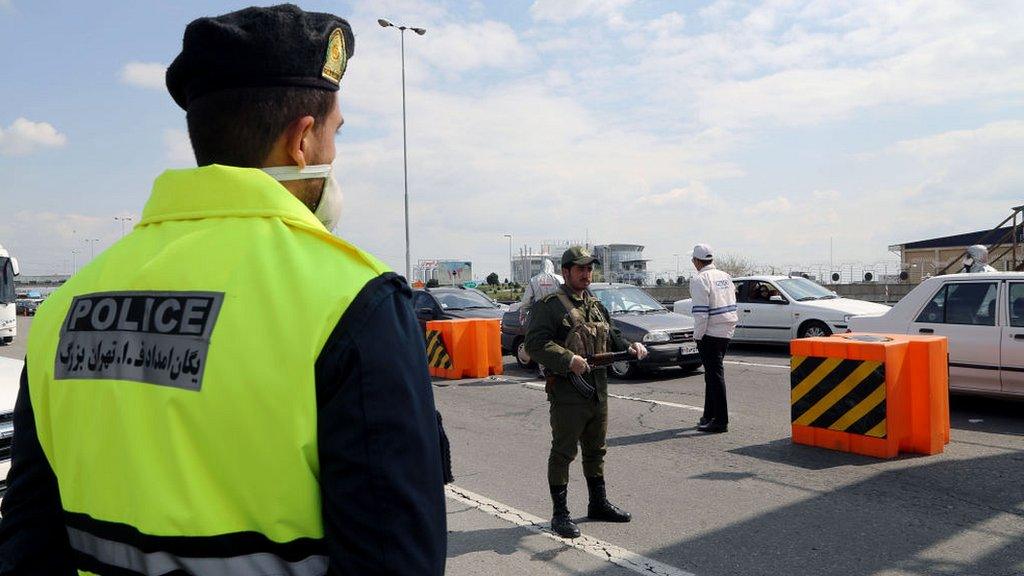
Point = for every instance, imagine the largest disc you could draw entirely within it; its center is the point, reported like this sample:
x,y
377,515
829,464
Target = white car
x,y
781,308
10,377
982,316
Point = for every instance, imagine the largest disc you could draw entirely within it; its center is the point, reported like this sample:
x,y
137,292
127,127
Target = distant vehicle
x,y
668,336
781,308
25,307
10,377
982,316
8,309
453,302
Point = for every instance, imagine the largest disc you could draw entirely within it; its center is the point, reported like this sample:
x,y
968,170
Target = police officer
x,y
564,328
231,389
715,319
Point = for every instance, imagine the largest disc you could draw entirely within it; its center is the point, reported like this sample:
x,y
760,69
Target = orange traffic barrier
x,y
876,395
468,348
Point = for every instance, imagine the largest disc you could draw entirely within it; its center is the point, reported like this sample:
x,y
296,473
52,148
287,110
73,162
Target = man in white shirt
x,y
714,316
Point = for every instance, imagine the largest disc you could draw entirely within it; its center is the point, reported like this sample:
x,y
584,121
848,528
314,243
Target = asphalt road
x,y
748,502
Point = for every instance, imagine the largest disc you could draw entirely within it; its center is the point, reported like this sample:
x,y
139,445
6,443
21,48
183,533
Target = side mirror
x,y
425,312
777,299
15,267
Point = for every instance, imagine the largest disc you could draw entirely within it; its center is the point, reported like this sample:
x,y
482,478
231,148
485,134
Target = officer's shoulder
x,y
550,297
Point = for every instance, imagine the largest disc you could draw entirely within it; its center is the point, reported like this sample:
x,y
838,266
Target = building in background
x,y
446,272
623,263
925,258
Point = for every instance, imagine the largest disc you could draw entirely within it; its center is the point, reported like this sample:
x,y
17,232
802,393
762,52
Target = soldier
x,y
564,328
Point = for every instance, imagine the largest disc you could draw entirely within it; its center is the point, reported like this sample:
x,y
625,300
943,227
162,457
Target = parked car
x,y
25,307
982,316
453,302
10,376
667,335
781,308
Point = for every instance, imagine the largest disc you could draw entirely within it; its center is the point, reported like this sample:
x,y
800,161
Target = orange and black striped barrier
x,y
877,395
469,348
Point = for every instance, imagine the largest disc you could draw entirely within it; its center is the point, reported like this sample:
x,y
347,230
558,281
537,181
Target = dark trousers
x,y
712,354
583,424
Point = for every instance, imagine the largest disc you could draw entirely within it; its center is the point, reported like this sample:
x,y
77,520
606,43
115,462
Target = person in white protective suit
x,y
977,260
547,282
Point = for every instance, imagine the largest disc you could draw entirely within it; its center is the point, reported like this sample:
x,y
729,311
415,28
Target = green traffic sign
x,y
469,285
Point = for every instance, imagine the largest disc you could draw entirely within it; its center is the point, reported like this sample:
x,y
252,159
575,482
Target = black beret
x,y
259,47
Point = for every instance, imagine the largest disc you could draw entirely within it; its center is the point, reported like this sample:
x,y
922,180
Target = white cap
x,y
702,252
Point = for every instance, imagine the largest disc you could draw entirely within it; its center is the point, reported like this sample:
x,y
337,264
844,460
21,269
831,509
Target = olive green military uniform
x,y
574,418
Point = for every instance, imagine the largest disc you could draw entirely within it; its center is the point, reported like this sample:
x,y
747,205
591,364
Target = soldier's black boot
x,y
561,522
600,508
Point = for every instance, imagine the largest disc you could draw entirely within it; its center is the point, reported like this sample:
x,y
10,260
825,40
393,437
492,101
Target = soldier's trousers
x,y
585,424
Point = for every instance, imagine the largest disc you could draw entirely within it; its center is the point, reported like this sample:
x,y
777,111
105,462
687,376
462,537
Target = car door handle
x,y
926,331
747,311
1018,336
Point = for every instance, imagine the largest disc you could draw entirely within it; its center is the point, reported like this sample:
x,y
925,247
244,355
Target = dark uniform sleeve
x,y
542,336
33,537
379,443
619,344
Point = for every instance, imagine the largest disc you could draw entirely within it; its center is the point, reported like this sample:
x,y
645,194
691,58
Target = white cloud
x,y
178,148
695,195
148,75
24,137
6,5
559,11
1008,133
463,47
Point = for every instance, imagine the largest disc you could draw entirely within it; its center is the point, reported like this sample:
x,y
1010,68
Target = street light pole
x,y
511,264
123,219
92,246
405,150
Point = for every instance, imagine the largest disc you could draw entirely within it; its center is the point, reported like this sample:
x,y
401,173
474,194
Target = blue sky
x,y
764,129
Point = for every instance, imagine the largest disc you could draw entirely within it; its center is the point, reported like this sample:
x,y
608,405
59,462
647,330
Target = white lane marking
x,y
632,398
604,550
737,362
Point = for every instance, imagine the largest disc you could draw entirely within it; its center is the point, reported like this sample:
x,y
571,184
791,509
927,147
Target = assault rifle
x,y
596,361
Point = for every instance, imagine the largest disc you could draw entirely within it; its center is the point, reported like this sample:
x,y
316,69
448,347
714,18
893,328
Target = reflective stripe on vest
x,y
131,558
173,380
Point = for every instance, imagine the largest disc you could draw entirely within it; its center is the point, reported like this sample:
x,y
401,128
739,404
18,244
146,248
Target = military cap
x,y
260,47
579,256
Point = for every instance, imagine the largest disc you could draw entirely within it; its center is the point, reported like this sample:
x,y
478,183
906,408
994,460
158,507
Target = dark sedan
x,y
451,303
668,336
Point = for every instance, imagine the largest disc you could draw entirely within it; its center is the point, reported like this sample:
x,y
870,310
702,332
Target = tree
x,y
735,265
433,283
492,279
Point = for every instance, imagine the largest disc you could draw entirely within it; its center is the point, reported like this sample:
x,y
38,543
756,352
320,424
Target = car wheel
x,y
623,370
814,329
8,339
522,358
691,367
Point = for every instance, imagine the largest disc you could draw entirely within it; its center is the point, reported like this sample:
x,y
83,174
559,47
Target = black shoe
x,y
600,508
561,522
711,427
703,420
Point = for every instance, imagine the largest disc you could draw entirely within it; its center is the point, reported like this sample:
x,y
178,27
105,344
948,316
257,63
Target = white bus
x,y
8,319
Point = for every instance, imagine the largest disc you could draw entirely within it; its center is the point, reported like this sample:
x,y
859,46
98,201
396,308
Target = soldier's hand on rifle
x,y
579,365
638,350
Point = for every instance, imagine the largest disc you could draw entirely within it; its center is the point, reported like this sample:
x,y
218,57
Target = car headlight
x,y
655,337
846,318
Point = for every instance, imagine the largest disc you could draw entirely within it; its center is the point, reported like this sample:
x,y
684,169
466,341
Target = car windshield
x,y
462,299
802,289
627,299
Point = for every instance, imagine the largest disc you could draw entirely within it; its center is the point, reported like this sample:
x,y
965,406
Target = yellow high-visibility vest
x,y
172,380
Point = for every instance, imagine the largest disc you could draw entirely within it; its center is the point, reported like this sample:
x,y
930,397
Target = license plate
x,y
688,348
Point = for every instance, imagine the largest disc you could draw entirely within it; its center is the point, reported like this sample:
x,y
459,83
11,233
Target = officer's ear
x,y
298,140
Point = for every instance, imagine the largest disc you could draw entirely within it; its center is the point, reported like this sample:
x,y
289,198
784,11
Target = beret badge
x,y
337,57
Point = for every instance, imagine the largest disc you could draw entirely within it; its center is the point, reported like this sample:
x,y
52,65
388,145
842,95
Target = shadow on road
x,y
952,517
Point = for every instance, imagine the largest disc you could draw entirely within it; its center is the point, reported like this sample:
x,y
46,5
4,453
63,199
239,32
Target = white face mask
x,y
328,211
